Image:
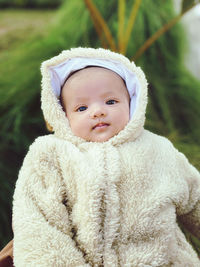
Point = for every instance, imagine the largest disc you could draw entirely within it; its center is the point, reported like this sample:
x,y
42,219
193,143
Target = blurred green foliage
x,y
30,3
174,94
19,25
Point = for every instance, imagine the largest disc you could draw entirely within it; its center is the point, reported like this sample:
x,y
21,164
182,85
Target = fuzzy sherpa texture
x,y
111,204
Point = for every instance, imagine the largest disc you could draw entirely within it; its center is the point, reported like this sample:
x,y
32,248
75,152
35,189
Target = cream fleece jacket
x,y
115,203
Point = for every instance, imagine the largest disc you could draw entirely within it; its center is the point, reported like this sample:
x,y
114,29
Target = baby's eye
x,y
82,108
111,102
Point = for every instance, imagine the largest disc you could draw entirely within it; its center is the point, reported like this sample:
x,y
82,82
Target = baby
x,y
102,190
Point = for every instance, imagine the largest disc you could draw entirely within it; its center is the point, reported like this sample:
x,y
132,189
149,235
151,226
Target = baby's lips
x,y
100,125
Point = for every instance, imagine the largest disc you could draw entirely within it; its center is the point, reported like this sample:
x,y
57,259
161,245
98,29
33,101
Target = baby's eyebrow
x,y
108,93
81,99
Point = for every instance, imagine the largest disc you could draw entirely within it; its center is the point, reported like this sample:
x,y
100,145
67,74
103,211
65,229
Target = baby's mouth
x,y
100,125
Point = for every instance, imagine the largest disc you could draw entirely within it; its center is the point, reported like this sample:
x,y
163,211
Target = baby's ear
x,y
49,127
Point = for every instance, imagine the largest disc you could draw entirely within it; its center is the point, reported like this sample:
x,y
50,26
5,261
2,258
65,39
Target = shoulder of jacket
x,y
159,141
157,138
45,139
43,143
43,149
42,156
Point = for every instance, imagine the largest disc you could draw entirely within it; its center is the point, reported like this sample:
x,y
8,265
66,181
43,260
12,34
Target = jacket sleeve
x,y
189,208
41,219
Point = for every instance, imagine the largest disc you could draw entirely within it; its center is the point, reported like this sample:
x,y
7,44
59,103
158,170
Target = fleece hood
x,y
55,72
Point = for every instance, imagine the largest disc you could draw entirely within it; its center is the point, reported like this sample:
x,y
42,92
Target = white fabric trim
x,y
59,74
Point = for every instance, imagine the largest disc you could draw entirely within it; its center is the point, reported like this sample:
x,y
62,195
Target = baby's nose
x,y
98,111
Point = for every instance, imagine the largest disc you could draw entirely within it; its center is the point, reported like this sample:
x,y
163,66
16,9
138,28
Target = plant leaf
x,y
121,13
100,23
162,30
131,22
187,3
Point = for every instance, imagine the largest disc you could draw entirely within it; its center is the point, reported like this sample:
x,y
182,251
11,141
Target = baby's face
x,y
96,103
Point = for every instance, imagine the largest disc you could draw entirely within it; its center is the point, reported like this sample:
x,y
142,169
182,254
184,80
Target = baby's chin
x,y
99,138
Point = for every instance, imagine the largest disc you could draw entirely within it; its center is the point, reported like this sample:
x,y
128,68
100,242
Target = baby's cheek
x,y
80,128
72,124
125,116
